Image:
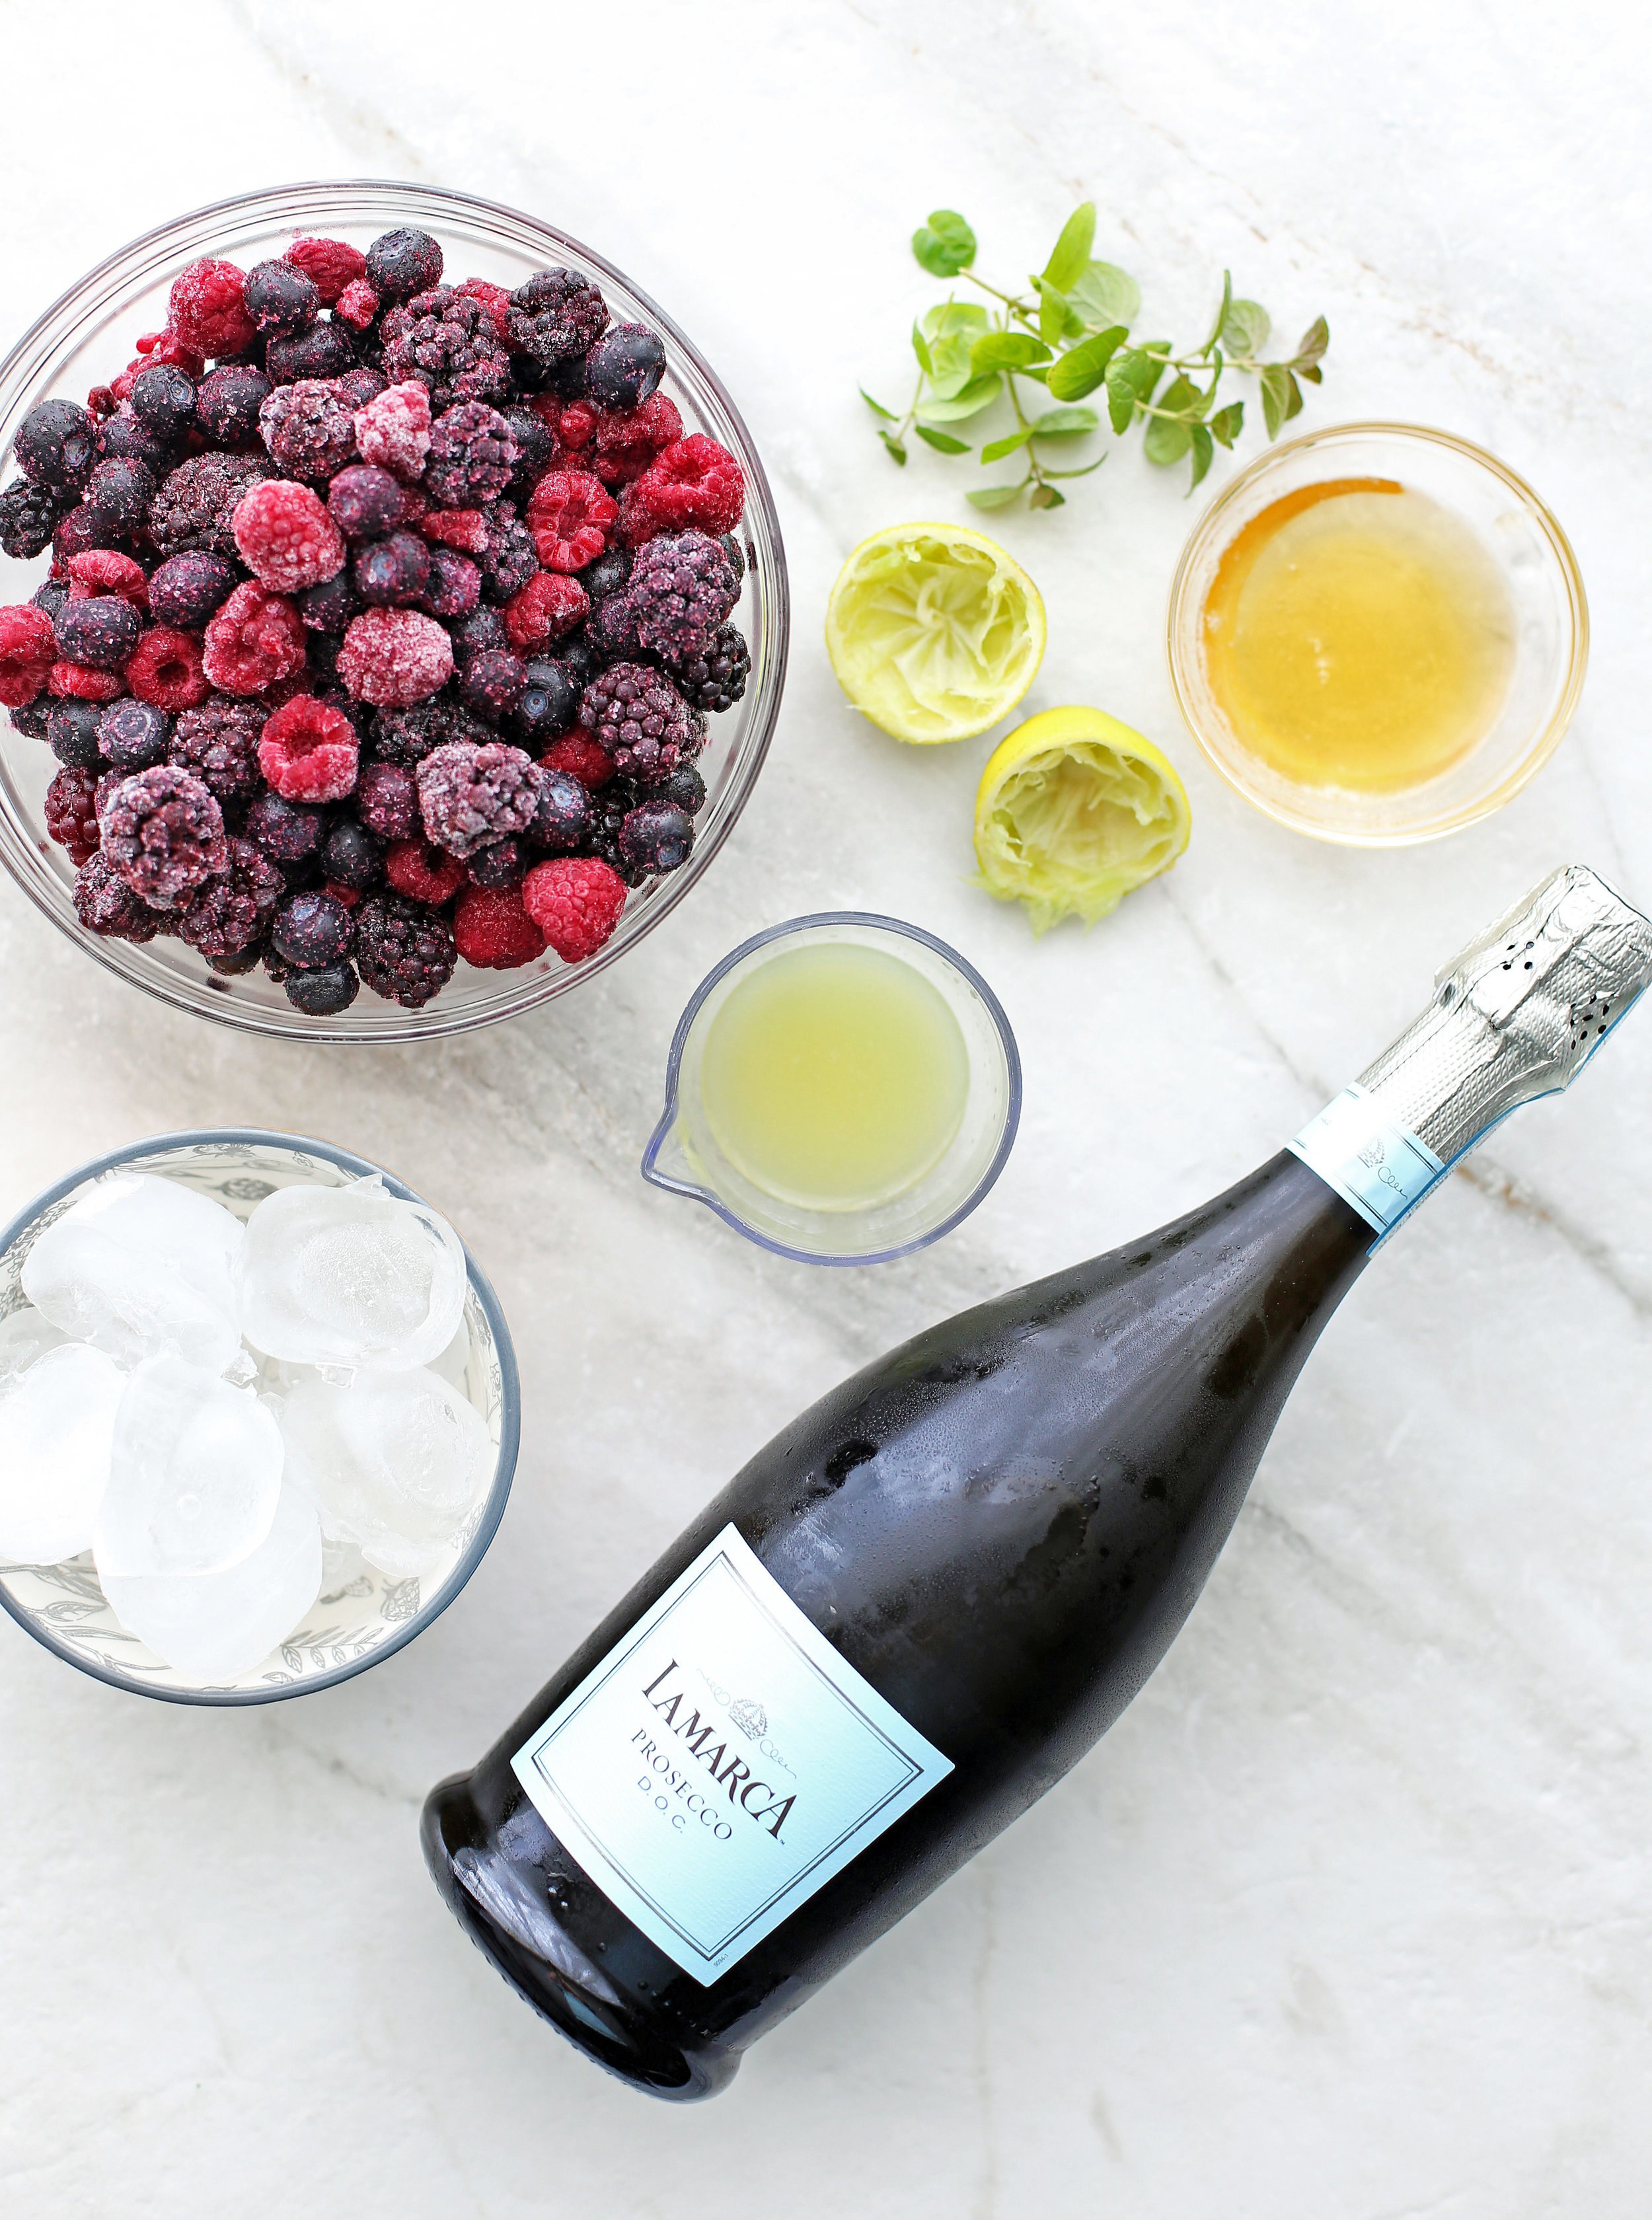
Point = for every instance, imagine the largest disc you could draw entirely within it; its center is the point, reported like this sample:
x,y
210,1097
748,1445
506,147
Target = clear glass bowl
x,y
86,338
1551,640
683,1156
362,1615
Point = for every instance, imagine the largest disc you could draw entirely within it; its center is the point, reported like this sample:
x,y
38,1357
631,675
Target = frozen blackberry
x,y
609,574
555,315
322,990
402,262
548,706
350,855
196,501
408,736
288,831
364,501
280,299
392,572
686,788
327,608
492,684
404,950
186,590
682,587
219,742
657,836
56,445
713,678
133,735
609,810
501,863
163,400
447,342
310,929
325,352
105,904
233,911
387,800
28,516
227,401
483,631
472,455
509,559
563,820
468,796
121,489
625,366
730,547
164,832
610,628
72,732
636,714
310,428
99,633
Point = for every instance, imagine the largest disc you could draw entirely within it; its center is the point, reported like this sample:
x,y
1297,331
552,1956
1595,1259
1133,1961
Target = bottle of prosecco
x,y
922,1602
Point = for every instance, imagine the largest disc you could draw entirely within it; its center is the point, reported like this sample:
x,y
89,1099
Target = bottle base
x,y
521,1937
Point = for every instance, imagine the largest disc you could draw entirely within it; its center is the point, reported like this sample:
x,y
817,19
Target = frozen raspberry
x,y
164,832
280,299
463,528
469,796
447,341
311,929
549,704
208,308
219,742
196,501
394,656
99,633
572,423
28,516
84,683
547,607
357,305
404,949
233,910
555,315
472,455
582,757
508,559
402,262
56,445
309,753
364,501
575,901
325,352
569,513
394,429
625,366
683,586
657,836
186,590
166,669
227,402
492,684
387,800
310,428
105,904
712,678
329,264
70,812
288,831
692,481
101,571
639,716
423,872
132,735
27,650
285,536
562,818
492,931
393,572
453,587
121,489
628,439
493,299
256,639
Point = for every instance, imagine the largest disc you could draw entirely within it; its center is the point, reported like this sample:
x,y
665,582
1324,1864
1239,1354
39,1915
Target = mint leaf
x,y
1203,448
1131,377
943,442
1166,439
1081,473
1104,295
1082,368
995,449
1006,351
1245,328
1282,396
1045,496
920,348
945,243
1070,257
1312,345
1216,329
977,394
893,444
994,496
1064,423
1227,423
1053,312
876,407
947,319
949,370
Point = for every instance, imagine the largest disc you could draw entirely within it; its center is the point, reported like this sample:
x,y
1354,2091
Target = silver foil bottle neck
x,y
1519,1013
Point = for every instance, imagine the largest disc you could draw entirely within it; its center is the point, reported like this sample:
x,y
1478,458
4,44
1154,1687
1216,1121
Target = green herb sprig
x,y
1071,336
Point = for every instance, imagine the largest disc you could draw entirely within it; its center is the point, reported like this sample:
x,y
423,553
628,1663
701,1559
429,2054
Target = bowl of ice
x,y
258,1417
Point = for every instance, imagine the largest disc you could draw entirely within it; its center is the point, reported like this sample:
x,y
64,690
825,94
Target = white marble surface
x,y
1349,1918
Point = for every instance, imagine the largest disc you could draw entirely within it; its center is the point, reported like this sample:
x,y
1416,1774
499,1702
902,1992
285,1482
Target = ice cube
x,y
141,1267
396,1461
217,1626
194,1478
25,1335
57,1423
349,1275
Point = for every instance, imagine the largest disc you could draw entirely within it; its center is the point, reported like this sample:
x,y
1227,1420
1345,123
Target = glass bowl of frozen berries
x,y
393,614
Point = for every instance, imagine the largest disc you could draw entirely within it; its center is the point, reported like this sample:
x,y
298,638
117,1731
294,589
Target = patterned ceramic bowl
x,y
361,1615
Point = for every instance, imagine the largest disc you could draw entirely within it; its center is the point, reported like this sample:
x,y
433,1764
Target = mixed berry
x,y
384,620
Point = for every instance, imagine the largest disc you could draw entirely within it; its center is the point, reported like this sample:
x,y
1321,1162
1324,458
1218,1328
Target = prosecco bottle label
x,y
1380,1168
722,1763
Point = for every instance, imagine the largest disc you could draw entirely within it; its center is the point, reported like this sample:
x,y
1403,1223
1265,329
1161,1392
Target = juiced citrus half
x,y
1073,811
934,632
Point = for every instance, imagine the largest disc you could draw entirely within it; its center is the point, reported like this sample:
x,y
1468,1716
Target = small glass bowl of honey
x,y
1377,634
